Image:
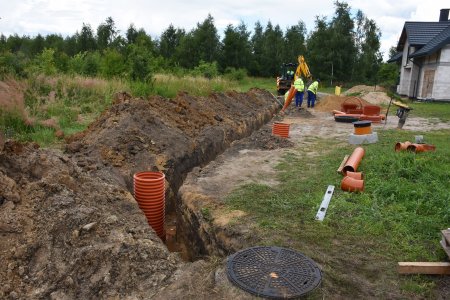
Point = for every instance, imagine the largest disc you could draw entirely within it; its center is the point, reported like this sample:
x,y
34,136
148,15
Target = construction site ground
x,y
71,228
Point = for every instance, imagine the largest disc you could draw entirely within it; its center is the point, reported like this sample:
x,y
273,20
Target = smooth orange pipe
x,y
356,175
350,184
363,130
421,148
402,146
338,112
291,95
353,161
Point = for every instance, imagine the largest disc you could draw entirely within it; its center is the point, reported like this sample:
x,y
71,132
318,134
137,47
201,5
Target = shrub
x,y
208,70
235,74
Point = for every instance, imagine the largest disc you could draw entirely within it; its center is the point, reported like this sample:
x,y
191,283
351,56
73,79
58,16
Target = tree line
x,y
342,49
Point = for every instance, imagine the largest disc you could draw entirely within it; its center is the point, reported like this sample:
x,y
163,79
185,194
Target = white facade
x,y
425,77
441,88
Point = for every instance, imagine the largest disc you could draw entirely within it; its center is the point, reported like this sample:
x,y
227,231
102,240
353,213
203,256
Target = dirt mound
x,y
70,227
171,135
66,235
363,89
332,102
377,98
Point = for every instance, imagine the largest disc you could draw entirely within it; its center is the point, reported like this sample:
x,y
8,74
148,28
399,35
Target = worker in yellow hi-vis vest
x,y
312,92
300,87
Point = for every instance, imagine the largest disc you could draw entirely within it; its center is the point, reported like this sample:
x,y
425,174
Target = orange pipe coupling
x,y
420,148
353,161
356,175
350,184
402,146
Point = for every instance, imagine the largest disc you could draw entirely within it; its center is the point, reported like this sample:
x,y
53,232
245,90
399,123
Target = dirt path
x,y
252,165
247,162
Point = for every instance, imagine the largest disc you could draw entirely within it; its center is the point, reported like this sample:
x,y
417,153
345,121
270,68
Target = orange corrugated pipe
x,y
280,129
149,192
353,161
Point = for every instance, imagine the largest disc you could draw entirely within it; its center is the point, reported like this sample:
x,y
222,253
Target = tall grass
x,y
73,102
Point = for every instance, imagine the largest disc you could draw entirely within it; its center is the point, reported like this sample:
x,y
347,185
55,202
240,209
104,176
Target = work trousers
x,y
298,99
311,99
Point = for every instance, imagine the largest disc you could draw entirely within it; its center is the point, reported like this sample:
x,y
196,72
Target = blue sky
x,y
30,17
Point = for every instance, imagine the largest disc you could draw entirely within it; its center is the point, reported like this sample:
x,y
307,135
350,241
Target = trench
x,y
187,231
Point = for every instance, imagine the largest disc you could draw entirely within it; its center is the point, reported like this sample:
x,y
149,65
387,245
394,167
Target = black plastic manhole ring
x,y
345,119
273,272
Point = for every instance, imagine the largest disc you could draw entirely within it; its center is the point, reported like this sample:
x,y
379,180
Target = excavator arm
x,y
302,69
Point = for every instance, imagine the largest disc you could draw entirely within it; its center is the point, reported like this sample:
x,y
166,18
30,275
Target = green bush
x,y
91,64
208,70
235,74
76,63
12,64
113,64
139,63
388,75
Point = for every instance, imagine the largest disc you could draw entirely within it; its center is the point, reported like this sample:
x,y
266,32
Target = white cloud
x,y
30,17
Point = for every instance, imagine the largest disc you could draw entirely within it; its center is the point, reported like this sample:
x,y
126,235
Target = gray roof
x,y
436,43
396,57
420,33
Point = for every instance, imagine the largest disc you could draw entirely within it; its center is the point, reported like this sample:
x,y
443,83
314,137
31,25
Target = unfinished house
x,y
424,59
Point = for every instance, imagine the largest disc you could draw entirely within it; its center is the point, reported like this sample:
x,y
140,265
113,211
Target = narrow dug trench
x,y
69,224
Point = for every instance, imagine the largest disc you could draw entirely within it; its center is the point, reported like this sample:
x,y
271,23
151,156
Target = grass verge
x,y
397,218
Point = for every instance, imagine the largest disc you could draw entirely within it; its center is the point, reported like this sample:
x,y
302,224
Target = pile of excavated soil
x,y
170,135
363,89
332,102
69,225
67,235
377,98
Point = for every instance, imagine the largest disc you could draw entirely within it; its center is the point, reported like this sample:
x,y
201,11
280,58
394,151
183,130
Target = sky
x,y
65,17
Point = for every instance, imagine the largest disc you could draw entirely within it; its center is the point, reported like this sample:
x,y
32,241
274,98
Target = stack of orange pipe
x,y
149,192
353,181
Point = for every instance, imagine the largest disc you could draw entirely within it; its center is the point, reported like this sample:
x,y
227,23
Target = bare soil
x,y
350,272
69,225
71,229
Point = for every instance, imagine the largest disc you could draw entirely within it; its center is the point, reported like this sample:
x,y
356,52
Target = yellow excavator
x,y
302,70
288,76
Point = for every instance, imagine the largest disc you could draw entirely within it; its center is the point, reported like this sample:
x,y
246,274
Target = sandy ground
x,y
233,169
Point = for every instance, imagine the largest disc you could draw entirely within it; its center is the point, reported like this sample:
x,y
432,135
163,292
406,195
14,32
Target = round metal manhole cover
x,y
273,272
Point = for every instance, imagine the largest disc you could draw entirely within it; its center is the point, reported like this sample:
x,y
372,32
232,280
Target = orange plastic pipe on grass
x,y
353,161
355,175
350,184
420,148
291,95
402,146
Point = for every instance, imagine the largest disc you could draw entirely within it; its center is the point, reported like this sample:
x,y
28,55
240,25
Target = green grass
x,y
401,212
431,110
